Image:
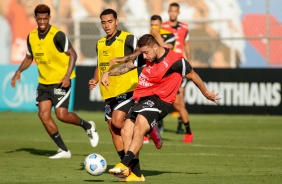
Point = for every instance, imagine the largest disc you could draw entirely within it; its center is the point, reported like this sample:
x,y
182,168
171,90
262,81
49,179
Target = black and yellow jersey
x,y
48,51
121,44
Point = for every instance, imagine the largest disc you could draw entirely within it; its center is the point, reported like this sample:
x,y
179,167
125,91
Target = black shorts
x,y
122,102
152,108
59,96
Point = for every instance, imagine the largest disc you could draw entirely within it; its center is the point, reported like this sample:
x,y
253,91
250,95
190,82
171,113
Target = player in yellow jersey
x,y
118,96
55,59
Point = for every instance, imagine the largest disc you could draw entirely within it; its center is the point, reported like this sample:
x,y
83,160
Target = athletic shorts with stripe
x,y
59,96
122,102
152,108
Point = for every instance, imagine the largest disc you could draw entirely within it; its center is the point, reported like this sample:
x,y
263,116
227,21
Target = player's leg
x,y
116,111
60,98
44,113
132,147
184,117
144,114
116,138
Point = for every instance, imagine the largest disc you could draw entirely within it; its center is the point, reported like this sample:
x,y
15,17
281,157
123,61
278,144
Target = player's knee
x,y
43,115
61,116
118,123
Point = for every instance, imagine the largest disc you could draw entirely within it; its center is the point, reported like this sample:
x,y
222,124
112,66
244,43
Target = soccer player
x,y
180,31
55,59
156,91
118,96
165,39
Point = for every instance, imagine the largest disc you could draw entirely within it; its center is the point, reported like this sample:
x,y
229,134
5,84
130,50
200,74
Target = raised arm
x,y
125,59
210,95
118,70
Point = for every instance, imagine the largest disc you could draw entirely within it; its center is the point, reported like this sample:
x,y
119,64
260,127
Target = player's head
x,y
42,17
109,22
149,47
173,11
156,20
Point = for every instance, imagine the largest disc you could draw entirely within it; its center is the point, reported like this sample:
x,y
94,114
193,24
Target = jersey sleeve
x,y
28,51
130,44
61,42
181,66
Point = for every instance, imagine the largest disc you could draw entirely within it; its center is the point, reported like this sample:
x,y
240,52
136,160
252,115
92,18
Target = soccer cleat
x,y
146,139
120,169
61,154
156,137
188,138
133,177
93,134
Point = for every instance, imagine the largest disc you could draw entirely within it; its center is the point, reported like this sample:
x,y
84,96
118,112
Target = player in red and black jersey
x,y
182,47
156,91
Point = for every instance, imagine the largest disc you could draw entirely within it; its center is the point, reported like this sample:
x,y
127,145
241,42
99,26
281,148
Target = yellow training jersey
x,y
52,64
118,84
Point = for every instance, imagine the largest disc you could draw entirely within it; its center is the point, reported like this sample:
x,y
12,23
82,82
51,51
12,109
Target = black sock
x,y
187,126
127,158
135,167
160,123
121,154
179,120
59,141
85,125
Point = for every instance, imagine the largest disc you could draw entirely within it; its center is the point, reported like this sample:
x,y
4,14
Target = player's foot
x,y
180,131
93,134
120,169
61,154
145,139
188,138
133,177
156,137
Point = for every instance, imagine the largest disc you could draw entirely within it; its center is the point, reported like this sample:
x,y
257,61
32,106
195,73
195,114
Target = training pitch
x,y
226,149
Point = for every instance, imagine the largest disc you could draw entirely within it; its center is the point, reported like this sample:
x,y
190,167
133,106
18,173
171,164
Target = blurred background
x,y
236,48
223,34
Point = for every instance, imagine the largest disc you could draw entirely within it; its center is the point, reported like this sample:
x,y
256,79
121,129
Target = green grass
x,y
226,149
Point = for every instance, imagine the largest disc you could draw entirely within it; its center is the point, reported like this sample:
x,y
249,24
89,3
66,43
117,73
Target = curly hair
x,y
42,8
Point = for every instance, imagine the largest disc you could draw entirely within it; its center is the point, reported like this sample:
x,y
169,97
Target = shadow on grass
x,y
35,151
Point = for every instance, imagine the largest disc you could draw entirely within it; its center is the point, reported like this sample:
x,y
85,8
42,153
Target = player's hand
x,y
105,80
116,60
92,84
65,82
212,96
16,77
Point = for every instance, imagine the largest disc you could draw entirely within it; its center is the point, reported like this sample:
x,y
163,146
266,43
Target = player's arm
x,y
187,50
130,51
94,81
125,58
24,65
118,70
185,69
63,44
187,47
210,95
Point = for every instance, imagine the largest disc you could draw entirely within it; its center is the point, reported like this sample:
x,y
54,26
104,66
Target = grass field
x,y
226,149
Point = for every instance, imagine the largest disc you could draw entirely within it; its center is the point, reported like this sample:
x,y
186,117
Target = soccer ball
x,y
95,164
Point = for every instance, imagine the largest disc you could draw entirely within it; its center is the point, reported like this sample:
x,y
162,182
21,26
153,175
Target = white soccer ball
x,y
95,164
